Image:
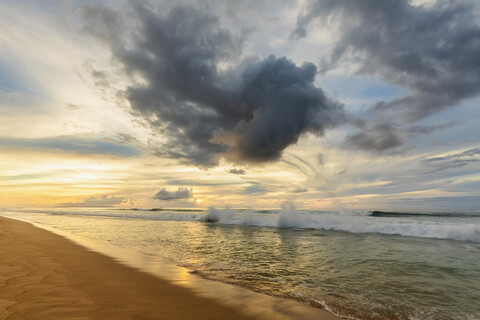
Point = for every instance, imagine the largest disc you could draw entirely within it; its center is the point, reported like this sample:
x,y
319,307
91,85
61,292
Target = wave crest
x,y
438,226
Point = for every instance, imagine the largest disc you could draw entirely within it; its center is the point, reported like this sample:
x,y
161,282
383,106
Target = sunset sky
x,y
330,104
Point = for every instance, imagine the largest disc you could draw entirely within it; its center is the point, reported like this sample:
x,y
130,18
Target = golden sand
x,y
46,276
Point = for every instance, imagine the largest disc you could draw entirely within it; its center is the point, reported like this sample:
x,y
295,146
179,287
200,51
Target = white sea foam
x,y
355,221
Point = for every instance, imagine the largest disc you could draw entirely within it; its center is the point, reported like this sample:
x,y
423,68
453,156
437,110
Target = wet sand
x,y
45,276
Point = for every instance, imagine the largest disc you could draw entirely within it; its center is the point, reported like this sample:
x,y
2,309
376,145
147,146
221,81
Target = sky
x,y
328,104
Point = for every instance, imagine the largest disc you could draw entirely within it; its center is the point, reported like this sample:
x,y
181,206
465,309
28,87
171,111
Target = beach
x,y
45,276
92,263
48,277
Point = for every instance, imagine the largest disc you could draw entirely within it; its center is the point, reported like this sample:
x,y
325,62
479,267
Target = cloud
x,y
432,51
236,171
209,181
79,144
456,160
381,137
179,194
424,129
320,159
299,190
468,153
253,189
97,201
196,89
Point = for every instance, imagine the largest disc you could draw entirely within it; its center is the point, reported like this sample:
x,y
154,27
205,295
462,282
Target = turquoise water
x,y
356,264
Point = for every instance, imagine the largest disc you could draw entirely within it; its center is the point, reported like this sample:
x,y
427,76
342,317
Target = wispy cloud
x,y
98,201
451,161
80,144
255,189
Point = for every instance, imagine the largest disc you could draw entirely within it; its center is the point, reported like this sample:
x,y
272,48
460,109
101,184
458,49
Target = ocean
x,y
355,264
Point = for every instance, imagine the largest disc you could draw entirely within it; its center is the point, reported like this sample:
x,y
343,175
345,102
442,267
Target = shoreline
x,y
81,280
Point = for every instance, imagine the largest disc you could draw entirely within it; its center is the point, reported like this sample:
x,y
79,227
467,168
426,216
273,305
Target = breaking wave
x,y
422,225
454,226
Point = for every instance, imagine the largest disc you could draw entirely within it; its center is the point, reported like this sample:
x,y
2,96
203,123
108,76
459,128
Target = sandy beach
x,y
46,276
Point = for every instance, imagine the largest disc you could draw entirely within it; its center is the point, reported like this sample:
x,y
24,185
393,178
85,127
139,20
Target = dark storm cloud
x,y
195,88
179,194
434,50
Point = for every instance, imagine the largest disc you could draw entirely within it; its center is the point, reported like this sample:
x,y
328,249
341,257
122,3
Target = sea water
x,y
355,264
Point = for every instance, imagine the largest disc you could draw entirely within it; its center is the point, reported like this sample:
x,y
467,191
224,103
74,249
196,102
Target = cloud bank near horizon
x,y
181,193
104,200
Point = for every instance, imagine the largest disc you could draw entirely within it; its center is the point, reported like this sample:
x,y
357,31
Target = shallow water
x,y
354,264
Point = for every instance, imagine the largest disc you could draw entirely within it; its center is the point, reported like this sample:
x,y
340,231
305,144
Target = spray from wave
x,y
462,227
356,221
